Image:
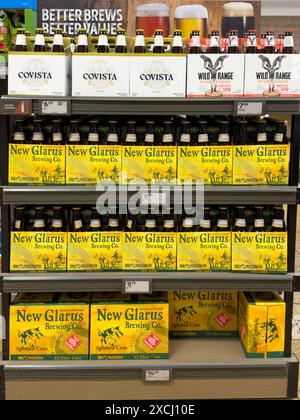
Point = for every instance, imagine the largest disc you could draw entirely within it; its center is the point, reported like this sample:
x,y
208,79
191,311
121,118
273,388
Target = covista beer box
x,y
104,75
215,76
158,75
272,75
41,74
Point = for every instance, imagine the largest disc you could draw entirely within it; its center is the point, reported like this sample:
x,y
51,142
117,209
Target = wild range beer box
x,y
129,330
99,75
215,76
41,74
158,75
262,324
37,164
206,251
272,75
203,314
49,327
262,252
151,251
38,251
95,251
89,165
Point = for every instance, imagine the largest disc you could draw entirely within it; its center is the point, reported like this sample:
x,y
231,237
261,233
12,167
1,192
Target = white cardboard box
x,y
272,75
41,74
215,76
162,76
100,75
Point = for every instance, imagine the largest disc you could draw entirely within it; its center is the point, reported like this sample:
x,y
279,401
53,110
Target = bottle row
x,y
109,326
209,150
80,240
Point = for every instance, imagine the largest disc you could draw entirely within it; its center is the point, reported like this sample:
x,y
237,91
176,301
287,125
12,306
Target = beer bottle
x,y
185,138
281,134
39,223
103,45
58,41
215,47
169,222
224,136
223,222
74,136
262,136
150,223
95,221
76,223
252,42
195,43
288,43
39,43
140,43
38,135
114,220
131,224
240,224
203,138
82,42
270,43
205,223
121,44
19,223
19,135
159,45
233,42
57,224
168,137
93,137
113,137
21,41
278,224
188,221
131,138
259,221
242,131
150,136
177,45
57,135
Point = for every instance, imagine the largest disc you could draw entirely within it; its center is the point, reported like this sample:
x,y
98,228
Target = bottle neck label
x,y
40,40
57,137
103,41
278,224
21,40
178,41
74,137
57,223
168,138
39,223
131,138
78,224
149,138
140,41
203,138
240,223
205,224
223,224
112,138
19,136
259,223
279,137
288,42
58,40
121,41
95,223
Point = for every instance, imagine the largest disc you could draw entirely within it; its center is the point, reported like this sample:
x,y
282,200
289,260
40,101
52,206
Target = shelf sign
x,y
159,375
249,108
15,107
136,287
55,107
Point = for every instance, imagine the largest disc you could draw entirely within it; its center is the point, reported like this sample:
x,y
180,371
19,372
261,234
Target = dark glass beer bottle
x,y
58,42
259,221
140,42
224,136
288,43
252,42
242,131
270,43
150,136
195,43
95,221
168,137
57,224
203,138
185,137
93,137
159,45
74,136
19,222
82,42
131,138
223,222
240,224
205,223
121,43
177,45
39,223
113,137
262,136
233,42
215,47
39,43
38,135
278,224
103,45
76,223
19,135
57,135
281,133
21,41
169,222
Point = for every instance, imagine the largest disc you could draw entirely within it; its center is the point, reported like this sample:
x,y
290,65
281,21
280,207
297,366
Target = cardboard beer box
x,y
260,252
215,76
100,75
158,76
40,74
203,314
272,75
206,251
262,324
38,251
95,251
149,251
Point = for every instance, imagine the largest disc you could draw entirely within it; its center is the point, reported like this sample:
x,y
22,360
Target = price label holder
x,y
249,108
143,287
154,199
55,107
158,375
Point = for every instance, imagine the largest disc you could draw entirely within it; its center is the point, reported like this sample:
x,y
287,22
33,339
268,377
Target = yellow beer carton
x,y
262,324
262,252
133,330
210,165
89,165
38,251
49,330
149,251
37,165
95,251
152,164
203,314
206,251
261,165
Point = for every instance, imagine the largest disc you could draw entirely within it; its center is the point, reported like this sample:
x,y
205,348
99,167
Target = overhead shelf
x,y
199,369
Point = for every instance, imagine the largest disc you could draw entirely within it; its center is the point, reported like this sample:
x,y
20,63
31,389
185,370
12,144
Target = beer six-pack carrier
x,y
47,84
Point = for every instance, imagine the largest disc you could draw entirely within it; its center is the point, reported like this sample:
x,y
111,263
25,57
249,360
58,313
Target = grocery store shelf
x,y
159,282
198,369
156,106
226,195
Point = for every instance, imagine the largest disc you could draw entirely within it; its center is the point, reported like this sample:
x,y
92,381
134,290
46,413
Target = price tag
x,y
161,375
55,107
154,199
250,108
136,287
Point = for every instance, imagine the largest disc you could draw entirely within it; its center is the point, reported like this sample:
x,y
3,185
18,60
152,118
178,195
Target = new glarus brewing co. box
x,y
100,75
42,74
215,76
272,75
155,75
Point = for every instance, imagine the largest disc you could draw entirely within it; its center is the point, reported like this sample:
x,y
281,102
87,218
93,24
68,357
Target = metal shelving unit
x,y
198,369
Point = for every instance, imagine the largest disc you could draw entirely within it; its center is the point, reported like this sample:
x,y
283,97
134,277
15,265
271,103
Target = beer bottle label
x,y
169,224
19,136
140,41
233,41
185,138
205,224
39,223
215,41
259,223
73,48
223,224
21,40
178,41
159,41
40,40
38,137
203,138
241,223
279,137
83,40
78,224
188,223
262,137
195,41
129,224
252,41
113,138
270,40
74,137
93,137
121,41
224,138
113,223
95,223
149,138
58,40
57,137
57,224
103,40
288,42
278,224
131,138
18,224
168,138
150,224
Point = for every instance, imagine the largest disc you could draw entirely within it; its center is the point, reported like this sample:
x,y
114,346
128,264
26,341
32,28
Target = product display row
x,y
115,327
